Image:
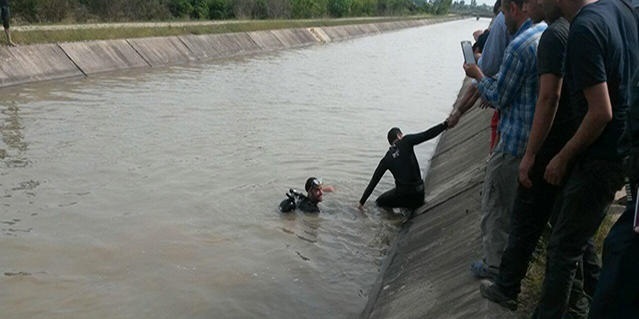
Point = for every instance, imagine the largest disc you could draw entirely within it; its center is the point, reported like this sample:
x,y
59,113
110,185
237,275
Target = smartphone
x,y
467,49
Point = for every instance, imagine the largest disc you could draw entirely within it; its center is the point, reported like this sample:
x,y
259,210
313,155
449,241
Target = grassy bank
x,y
77,33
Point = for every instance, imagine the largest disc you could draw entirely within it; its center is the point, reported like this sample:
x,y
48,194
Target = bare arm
x,y
328,188
545,110
471,94
597,117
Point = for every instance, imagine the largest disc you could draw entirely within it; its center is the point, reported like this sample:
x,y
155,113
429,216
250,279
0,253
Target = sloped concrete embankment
x,y
24,64
427,273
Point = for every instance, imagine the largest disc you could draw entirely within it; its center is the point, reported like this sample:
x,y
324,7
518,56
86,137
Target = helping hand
x,y
453,118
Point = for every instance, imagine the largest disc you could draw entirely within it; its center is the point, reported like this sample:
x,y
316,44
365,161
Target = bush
x,y
220,9
26,10
200,9
180,8
304,9
339,8
364,8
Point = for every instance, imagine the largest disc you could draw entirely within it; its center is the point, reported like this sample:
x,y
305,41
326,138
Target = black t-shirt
x,y
551,54
401,161
602,47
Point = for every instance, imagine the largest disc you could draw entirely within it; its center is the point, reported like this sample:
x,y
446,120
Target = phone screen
x,y
467,49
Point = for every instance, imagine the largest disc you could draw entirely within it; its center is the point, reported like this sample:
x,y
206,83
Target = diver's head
x,y
394,135
313,187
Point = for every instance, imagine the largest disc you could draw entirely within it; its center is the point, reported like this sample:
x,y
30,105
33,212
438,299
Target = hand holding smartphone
x,y
467,50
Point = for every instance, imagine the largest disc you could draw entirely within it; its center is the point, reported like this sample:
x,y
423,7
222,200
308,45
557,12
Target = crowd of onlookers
x,y
562,77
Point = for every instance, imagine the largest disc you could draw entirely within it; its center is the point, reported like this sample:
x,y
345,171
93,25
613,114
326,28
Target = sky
x,y
480,2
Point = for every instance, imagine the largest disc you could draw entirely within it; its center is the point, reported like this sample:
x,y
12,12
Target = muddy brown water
x,y
154,194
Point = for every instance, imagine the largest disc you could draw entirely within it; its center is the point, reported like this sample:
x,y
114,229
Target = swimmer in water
x,y
307,203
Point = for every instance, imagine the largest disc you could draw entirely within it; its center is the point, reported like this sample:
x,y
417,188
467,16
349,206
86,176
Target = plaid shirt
x,y
513,91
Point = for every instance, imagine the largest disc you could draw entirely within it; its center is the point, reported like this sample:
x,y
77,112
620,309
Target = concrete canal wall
x,y
31,63
427,271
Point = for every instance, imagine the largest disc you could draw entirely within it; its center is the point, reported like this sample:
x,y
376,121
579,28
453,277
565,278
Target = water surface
x,y
153,194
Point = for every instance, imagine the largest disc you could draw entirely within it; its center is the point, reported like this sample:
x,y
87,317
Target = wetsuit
x,y
307,205
401,161
297,200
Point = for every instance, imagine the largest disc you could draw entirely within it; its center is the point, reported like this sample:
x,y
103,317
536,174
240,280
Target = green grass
x,y
108,33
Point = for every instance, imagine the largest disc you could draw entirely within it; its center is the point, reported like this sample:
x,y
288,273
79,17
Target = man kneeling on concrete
x,y
401,161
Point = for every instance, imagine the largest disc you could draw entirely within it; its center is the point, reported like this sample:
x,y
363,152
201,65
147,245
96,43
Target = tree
x,y
220,9
339,8
180,8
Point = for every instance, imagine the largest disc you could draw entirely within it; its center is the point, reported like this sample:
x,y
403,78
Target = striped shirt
x,y
513,91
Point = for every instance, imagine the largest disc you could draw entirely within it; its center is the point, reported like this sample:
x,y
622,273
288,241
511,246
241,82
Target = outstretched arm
x,y
461,106
414,139
379,172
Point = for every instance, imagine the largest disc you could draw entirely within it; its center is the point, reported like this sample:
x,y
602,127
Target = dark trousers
x,y
531,213
582,204
617,294
411,199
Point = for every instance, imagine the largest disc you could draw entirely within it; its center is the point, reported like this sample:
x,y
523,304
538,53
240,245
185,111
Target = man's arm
x,y
414,139
463,105
501,90
545,110
328,188
597,117
379,172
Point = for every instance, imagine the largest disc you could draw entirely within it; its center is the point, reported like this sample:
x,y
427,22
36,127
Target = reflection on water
x,y
13,154
154,195
12,136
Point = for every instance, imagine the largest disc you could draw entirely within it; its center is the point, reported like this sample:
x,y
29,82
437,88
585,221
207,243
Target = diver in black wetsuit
x,y
306,203
401,161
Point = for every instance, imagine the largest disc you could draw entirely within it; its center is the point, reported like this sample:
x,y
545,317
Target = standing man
x,y
600,57
5,14
553,125
617,295
489,63
514,93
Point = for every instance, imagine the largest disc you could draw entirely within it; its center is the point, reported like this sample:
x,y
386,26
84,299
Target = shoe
x,y
492,292
480,270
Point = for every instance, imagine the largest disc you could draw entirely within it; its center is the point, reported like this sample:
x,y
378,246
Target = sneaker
x,y
492,292
480,270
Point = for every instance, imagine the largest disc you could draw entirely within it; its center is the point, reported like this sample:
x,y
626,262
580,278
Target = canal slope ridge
x,y
31,63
